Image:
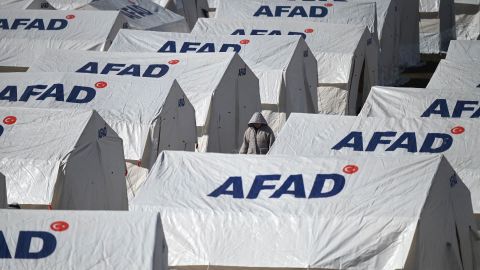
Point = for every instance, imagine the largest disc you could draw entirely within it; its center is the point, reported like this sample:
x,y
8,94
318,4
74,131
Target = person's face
x,y
257,125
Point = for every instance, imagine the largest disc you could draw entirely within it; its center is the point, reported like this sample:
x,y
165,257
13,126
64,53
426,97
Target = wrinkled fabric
x,y
257,141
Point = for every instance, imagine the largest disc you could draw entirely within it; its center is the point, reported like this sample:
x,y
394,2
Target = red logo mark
x,y
70,17
309,30
101,84
10,120
350,169
244,41
174,62
457,130
59,226
329,5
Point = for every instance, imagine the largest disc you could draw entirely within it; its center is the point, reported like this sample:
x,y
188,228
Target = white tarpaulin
x,y
437,25
150,115
416,102
467,19
26,34
139,14
464,51
81,240
455,75
221,87
254,212
456,138
24,4
69,159
3,191
344,53
284,65
190,9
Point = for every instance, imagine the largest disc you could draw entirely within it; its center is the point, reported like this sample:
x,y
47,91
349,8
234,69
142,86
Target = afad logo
x,y
135,11
56,92
23,249
324,186
439,107
171,46
272,32
293,11
136,70
7,121
432,143
35,24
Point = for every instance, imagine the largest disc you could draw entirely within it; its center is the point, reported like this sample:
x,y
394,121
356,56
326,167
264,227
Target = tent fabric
x,y
273,225
150,115
190,9
223,98
83,240
409,33
69,159
467,19
285,66
3,192
82,30
24,4
437,25
457,75
418,102
464,51
139,14
340,50
323,135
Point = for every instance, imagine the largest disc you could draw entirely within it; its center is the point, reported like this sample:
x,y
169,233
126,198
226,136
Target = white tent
x,y
464,51
467,19
285,66
190,9
437,25
81,240
456,75
344,54
24,4
456,138
66,159
415,102
3,191
139,14
150,115
26,34
224,100
255,212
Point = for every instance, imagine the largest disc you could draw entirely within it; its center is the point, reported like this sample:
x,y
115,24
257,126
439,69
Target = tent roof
x,y
308,233
339,12
455,75
260,53
84,30
198,75
464,51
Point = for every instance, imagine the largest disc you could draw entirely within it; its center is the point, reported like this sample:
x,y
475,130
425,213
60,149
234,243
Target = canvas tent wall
x,y
139,14
25,4
455,75
3,191
66,159
437,25
150,115
455,138
467,19
24,34
82,240
224,99
363,14
285,66
190,9
269,201
345,56
464,51
417,102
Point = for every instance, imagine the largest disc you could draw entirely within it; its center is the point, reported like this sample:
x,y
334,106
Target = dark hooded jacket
x,y
257,141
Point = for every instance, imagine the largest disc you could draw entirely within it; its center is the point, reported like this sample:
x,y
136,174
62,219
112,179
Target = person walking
x,y
258,137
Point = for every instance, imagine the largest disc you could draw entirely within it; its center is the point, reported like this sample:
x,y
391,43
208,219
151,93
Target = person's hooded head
x,y
257,120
